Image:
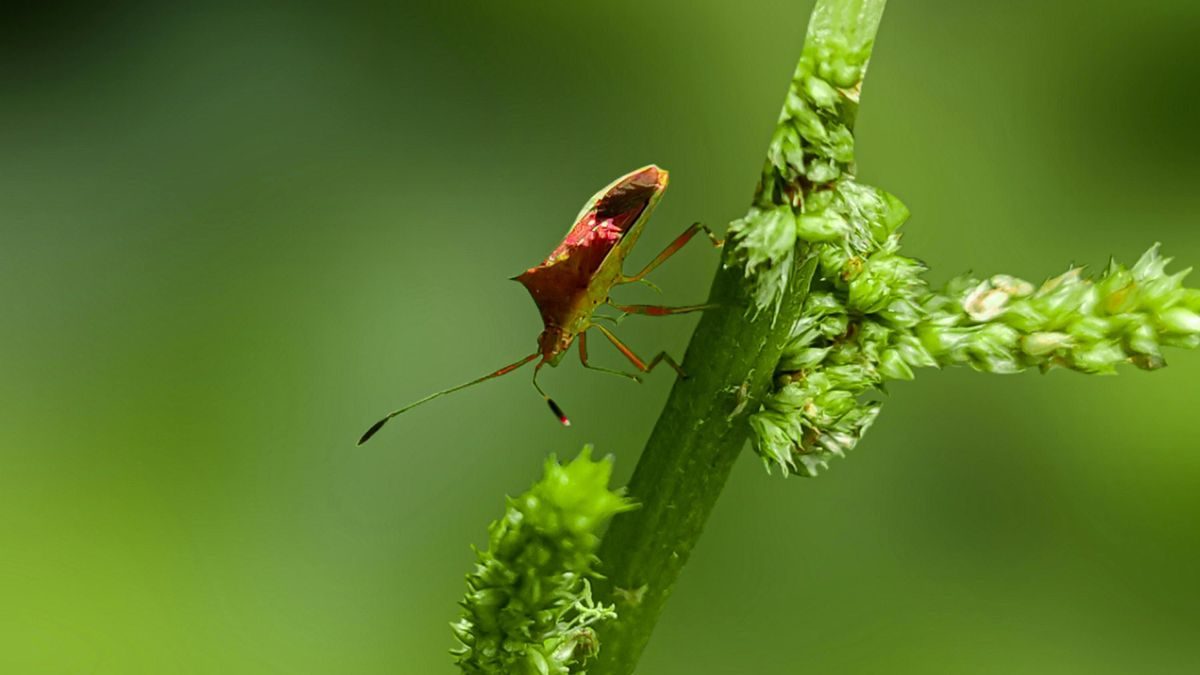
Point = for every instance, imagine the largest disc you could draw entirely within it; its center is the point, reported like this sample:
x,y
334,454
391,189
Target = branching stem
x,y
730,361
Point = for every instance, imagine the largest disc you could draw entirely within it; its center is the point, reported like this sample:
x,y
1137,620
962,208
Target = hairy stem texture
x,y
760,290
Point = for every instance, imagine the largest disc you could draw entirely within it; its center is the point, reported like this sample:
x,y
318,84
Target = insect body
x,y
575,279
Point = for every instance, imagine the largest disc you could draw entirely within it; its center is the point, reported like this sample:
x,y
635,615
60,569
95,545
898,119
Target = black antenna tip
x,y
374,428
558,412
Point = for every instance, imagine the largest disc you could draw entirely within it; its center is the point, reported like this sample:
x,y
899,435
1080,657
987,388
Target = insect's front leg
x,y
672,248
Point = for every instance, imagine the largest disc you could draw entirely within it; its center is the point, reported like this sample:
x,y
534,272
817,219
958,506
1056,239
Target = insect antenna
x,y
558,412
503,371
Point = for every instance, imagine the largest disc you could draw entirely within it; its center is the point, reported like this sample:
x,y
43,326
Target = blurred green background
x,y
233,234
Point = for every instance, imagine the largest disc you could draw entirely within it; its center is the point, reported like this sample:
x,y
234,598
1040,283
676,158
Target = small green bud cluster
x,y
813,142
863,298
528,608
870,317
1006,325
813,146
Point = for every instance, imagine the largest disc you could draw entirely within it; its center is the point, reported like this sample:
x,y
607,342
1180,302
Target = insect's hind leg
x,y
583,358
636,360
674,247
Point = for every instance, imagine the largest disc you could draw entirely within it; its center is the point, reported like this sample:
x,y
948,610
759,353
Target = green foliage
x,y
813,146
528,608
870,317
759,292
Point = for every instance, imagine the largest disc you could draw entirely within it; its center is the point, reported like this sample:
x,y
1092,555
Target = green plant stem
x,y
704,426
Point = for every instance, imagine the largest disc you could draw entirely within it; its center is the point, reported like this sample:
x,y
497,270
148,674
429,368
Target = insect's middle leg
x,y
583,358
672,248
659,310
635,359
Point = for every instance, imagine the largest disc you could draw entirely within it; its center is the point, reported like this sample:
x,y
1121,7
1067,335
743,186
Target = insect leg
x,y
653,286
658,310
583,358
637,361
671,249
604,317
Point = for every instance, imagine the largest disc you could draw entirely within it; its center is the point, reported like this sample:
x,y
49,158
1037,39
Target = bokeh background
x,y
233,234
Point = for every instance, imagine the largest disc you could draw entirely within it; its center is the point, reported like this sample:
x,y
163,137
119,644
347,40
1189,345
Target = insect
x,y
575,279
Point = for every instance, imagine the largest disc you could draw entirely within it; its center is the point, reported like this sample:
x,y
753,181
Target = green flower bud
x,y
835,403
1090,328
1102,358
840,145
901,312
811,128
771,440
985,302
893,367
991,348
944,343
785,151
847,75
821,93
822,170
1143,339
821,200
825,69
1151,264
1062,299
818,304
833,261
870,331
1022,315
1041,344
1181,320
529,607
763,241
998,336
892,217
1118,299
789,399
845,351
1014,287
909,348
851,376
802,359
818,382
794,107
1159,294
868,293
825,226
834,325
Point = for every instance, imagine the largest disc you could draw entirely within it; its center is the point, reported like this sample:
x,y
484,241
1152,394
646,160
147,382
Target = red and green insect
x,y
576,278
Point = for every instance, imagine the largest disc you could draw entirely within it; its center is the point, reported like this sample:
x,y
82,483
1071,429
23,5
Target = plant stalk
x,y
704,425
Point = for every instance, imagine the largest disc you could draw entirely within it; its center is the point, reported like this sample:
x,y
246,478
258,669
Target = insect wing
x,y
605,221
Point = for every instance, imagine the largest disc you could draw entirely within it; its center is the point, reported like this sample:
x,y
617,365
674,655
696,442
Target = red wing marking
x,y
571,266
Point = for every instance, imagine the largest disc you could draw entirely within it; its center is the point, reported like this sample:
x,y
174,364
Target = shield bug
x,y
576,278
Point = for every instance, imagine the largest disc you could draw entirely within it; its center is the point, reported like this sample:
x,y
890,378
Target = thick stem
x,y
690,453
730,362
